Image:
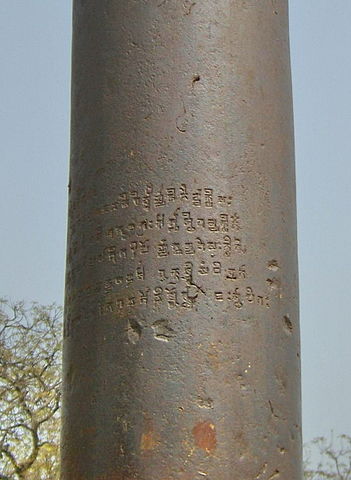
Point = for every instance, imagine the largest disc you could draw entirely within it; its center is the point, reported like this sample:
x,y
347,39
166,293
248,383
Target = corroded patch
x,y
149,441
205,436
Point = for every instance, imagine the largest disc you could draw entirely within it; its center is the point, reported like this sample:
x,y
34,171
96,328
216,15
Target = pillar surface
x,y
181,355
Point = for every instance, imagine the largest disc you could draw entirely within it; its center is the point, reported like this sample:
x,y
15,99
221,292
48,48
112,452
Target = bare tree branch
x,y
335,458
30,380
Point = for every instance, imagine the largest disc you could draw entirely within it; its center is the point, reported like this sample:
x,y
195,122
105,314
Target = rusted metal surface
x,y
181,335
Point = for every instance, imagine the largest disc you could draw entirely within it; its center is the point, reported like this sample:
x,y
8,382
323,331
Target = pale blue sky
x,y
35,40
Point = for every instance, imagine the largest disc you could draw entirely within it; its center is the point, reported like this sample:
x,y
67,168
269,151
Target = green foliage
x,y
30,380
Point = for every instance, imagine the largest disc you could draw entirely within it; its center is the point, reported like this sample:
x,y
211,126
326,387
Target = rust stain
x,y
149,441
205,436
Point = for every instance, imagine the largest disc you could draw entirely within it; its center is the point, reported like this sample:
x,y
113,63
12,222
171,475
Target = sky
x,y
35,42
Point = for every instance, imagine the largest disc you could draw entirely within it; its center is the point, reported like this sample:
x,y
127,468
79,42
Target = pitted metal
x,y
181,355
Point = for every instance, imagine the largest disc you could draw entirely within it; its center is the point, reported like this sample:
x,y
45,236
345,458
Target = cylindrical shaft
x,y
181,356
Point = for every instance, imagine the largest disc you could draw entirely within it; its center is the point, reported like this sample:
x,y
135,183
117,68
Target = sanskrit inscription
x,y
149,198
169,248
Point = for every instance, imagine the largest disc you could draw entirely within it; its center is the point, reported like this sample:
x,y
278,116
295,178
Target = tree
x,y
30,384
334,458
30,381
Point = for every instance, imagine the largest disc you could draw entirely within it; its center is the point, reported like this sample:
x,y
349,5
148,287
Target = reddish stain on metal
x,y
149,438
149,441
205,436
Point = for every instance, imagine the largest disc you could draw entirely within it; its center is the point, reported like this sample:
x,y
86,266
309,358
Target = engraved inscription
x,y
149,197
167,249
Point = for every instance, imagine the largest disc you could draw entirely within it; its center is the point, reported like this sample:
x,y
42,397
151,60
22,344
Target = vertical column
x,y
181,355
